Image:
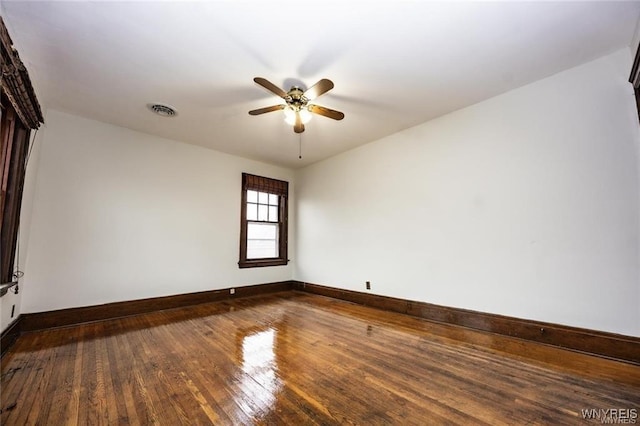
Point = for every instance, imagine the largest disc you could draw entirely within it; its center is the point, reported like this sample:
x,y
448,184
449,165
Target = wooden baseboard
x,y
72,316
10,335
608,345
603,344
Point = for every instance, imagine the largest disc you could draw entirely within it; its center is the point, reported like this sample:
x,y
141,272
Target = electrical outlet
x,y
232,291
368,283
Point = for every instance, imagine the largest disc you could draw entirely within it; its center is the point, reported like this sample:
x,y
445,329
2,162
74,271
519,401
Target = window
x,y
263,229
19,113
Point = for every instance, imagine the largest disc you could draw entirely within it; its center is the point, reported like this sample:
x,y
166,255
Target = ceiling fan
x,y
297,109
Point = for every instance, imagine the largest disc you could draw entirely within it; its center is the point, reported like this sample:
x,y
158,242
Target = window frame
x,y
15,145
281,190
19,114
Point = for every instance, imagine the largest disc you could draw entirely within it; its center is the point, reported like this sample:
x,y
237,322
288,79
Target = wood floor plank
x,y
73,403
294,358
60,387
31,400
383,374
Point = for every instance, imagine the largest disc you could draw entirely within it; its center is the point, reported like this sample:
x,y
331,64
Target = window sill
x,y
258,263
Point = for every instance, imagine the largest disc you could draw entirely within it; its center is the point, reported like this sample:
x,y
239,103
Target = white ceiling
x,y
394,64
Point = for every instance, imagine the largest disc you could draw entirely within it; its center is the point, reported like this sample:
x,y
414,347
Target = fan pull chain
x,y
300,146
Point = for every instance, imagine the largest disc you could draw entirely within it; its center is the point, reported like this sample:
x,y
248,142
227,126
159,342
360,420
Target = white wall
x,y
523,205
120,215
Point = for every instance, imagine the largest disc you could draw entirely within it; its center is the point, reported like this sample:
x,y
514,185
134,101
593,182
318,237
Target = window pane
x,y
262,212
273,199
273,213
252,211
260,249
262,231
252,196
263,198
262,240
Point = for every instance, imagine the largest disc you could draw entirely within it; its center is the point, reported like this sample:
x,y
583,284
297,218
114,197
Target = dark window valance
x,y
16,84
263,184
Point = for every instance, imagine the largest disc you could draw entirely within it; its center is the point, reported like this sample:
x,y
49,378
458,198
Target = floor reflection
x,y
260,382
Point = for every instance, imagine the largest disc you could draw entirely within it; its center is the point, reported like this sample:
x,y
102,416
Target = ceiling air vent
x,y
163,110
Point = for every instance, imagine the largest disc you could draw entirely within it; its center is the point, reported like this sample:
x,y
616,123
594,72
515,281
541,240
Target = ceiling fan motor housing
x,y
296,99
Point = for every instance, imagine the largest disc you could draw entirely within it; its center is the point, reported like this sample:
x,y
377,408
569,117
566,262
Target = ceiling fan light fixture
x,y
289,116
305,115
297,109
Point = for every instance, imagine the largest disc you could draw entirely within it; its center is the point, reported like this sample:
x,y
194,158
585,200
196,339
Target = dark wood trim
x,y
600,343
13,175
260,263
73,316
592,342
636,92
634,79
10,335
634,76
16,84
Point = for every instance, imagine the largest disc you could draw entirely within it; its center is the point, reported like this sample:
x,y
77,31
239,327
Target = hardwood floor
x,y
295,358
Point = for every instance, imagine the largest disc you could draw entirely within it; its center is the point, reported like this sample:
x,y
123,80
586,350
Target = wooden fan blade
x,y
270,87
299,127
266,109
327,112
321,87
